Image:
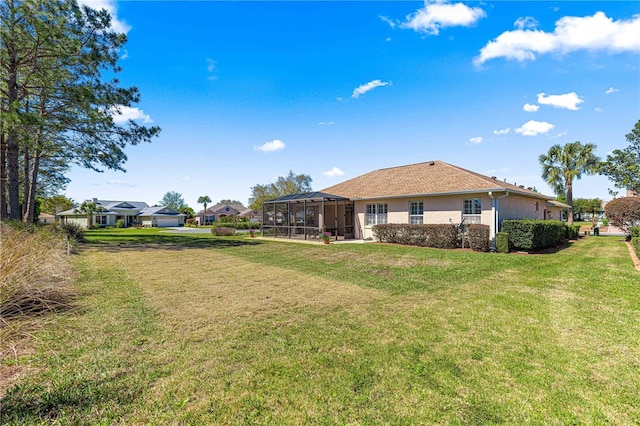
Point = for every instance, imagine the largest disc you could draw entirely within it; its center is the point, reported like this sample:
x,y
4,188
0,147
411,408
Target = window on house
x,y
537,206
376,214
416,211
472,210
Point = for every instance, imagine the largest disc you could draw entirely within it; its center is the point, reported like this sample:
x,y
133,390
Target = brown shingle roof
x,y
430,178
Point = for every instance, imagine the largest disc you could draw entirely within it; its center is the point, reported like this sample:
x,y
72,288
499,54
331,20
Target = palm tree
x,y
89,208
562,164
204,200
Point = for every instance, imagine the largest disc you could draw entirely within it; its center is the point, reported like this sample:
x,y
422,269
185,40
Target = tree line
x,y
59,97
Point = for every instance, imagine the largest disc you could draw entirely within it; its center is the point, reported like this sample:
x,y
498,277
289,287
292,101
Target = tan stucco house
x,y
431,192
131,212
217,211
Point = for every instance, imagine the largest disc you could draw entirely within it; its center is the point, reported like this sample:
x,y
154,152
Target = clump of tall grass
x,y
35,273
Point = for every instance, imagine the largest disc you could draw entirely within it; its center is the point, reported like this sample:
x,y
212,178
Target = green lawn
x,y
203,330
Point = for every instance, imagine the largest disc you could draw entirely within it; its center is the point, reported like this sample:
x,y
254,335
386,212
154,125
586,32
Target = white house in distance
x,y
432,192
131,212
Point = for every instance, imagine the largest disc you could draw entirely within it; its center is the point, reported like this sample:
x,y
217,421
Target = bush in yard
x,y
634,232
223,231
120,223
623,212
435,235
502,242
635,243
478,237
73,231
573,231
533,235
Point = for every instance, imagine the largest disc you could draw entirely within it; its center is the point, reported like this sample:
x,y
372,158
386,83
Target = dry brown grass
x,y
232,291
34,276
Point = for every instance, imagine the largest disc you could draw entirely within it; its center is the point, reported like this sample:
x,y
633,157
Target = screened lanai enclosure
x,y
307,216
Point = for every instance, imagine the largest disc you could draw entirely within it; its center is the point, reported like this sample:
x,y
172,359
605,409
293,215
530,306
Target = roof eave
x,y
465,192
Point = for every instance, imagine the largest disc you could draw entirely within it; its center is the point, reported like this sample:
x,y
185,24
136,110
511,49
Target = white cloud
x,y
439,14
611,90
566,101
211,69
388,39
361,90
125,54
112,7
572,33
325,123
530,108
333,172
274,145
502,131
386,19
120,183
526,22
560,135
598,109
122,114
185,178
476,140
534,128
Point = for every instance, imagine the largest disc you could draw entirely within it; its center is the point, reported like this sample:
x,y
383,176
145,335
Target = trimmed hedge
x,y
478,237
634,231
635,243
573,231
238,225
533,235
502,242
438,235
223,231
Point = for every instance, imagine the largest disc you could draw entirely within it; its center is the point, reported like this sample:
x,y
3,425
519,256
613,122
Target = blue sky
x,y
246,91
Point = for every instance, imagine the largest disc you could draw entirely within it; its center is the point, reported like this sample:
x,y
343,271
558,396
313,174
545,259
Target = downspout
x,y
495,212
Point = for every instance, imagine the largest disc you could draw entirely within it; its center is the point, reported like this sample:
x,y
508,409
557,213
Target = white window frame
x,y
375,214
416,212
472,210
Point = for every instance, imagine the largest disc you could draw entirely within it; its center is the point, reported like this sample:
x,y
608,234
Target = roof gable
x,y
429,178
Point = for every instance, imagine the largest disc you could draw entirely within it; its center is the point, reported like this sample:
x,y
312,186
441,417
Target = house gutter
x,y
438,194
495,212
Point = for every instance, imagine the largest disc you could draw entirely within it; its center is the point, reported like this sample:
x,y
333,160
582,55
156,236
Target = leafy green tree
x,y
236,202
562,164
56,107
204,199
591,206
56,204
174,200
622,166
285,185
187,211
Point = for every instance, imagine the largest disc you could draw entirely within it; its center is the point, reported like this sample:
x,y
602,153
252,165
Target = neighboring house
x,y
217,211
130,212
46,218
432,192
251,215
